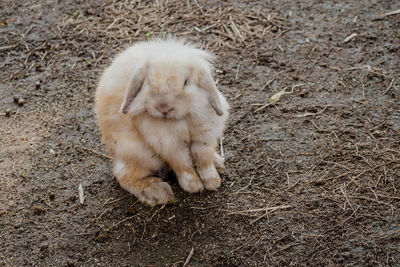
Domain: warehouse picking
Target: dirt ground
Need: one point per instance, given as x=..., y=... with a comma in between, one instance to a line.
x=312, y=179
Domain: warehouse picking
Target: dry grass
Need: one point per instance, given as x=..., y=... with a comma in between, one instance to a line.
x=312, y=177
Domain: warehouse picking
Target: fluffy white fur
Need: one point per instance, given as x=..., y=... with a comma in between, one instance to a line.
x=154, y=104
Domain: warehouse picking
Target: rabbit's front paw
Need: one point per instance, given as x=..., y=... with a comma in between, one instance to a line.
x=210, y=177
x=190, y=182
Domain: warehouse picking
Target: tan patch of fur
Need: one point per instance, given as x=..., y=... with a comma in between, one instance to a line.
x=204, y=160
x=172, y=81
x=132, y=178
x=109, y=118
x=203, y=155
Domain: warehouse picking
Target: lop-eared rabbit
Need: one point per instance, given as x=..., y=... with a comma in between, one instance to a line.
x=158, y=107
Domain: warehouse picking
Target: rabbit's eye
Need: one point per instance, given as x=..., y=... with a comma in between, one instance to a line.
x=186, y=82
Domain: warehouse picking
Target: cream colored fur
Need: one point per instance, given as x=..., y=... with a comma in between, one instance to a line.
x=174, y=115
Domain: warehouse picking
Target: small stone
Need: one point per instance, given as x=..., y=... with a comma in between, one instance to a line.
x=303, y=93
x=38, y=84
x=19, y=100
x=9, y=112
x=38, y=210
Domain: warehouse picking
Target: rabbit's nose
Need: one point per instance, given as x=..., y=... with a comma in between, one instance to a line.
x=163, y=108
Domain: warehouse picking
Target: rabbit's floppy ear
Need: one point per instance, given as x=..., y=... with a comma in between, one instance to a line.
x=133, y=88
x=207, y=83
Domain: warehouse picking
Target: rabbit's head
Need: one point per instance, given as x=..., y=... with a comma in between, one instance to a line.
x=169, y=87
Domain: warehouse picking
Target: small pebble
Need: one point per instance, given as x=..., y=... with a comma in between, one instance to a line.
x=303, y=93
x=38, y=210
x=19, y=100
x=37, y=84
x=44, y=247
x=9, y=112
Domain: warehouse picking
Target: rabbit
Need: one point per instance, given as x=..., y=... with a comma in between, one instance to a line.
x=158, y=107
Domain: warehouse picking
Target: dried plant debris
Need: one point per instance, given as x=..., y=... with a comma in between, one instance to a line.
x=310, y=179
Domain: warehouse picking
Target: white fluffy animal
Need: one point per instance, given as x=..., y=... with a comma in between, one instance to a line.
x=157, y=106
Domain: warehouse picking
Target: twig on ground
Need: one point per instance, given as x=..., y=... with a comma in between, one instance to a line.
x=261, y=209
x=188, y=257
x=260, y=217
x=390, y=197
x=237, y=72
x=236, y=249
x=7, y=47
x=281, y=33
x=162, y=207
x=118, y=223
x=351, y=215
x=319, y=129
x=81, y=195
x=91, y=150
x=395, y=12
x=275, y=98
x=310, y=113
x=372, y=200
x=102, y=213
x=144, y=231
x=390, y=86
x=348, y=38
x=285, y=247
x=251, y=180
x=110, y=201
x=368, y=67
x=362, y=84
x=268, y=83
x=347, y=199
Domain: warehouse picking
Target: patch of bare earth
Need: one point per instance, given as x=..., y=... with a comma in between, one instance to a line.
x=311, y=179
